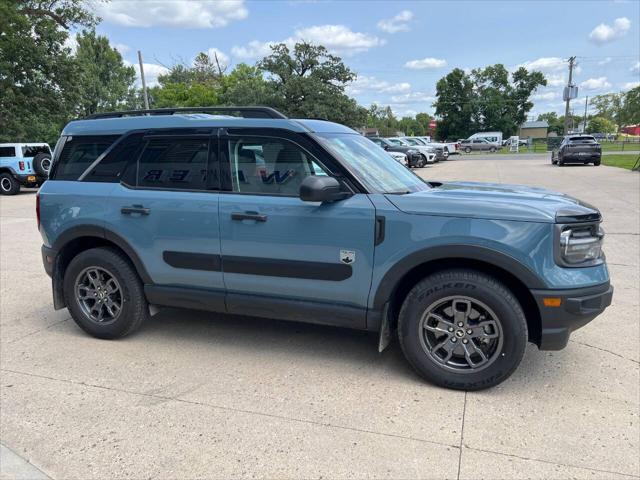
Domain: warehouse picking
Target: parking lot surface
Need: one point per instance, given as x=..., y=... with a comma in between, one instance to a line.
x=198, y=395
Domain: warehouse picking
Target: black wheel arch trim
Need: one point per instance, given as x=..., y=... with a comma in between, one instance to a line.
x=394, y=275
x=79, y=231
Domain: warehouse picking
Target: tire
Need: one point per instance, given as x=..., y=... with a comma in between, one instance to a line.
x=422, y=162
x=8, y=184
x=504, y=335
x=596, y=163
x=445, y=153
x=105, y=261
x=42, y=164
x=467, y=150
x=492, y=150
x=553, y=159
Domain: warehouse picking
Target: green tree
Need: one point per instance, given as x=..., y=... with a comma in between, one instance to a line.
x=600, y=125
x=307, y=81
x=608, y=106
x=556, y=124
x=104, y=82
x=455, y=105
x=196, y=85
x=38, y=74
x=183, y=95
x=245, y=85
x=630, y=110
x=486, y=99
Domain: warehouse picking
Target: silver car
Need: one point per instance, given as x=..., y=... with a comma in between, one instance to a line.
x=477, y=144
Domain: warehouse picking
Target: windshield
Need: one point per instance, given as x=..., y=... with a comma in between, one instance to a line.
x=374, y=167
x=412, y=141
x=395, y=141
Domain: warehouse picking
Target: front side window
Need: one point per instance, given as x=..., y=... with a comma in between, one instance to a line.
x=374, y=167
x=269, y=166
x=174, y=163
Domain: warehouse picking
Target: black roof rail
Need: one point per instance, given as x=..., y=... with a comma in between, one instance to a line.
x=245, y=112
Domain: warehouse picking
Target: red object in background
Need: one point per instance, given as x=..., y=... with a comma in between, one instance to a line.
x=432, y=125
x=631, y=130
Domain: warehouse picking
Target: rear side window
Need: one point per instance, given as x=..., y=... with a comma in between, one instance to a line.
x=174, y=163
x=7, y=152
x=119, y=164
x=78, y=153
x=33, y=151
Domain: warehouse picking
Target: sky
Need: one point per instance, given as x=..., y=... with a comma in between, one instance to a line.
x=398, y=49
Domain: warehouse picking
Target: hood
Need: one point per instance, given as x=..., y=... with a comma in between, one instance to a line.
x=496, y=201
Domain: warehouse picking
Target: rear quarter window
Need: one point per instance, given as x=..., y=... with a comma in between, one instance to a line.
x=78, y=153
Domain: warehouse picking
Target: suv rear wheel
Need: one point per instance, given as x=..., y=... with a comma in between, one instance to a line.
x=8, y=184
x=462, y=329
x=104, y=294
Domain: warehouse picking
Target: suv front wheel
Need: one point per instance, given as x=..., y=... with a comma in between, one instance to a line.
x=104, y=293
x=462, y=329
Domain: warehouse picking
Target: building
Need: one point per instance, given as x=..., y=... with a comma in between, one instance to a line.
x=631, y=129
x=534, y=130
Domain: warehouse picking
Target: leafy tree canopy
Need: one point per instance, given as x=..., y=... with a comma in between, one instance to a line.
x=487, y=99
x=38, y=75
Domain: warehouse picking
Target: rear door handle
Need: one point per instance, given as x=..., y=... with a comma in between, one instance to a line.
x=248, y=216
x=134, y=209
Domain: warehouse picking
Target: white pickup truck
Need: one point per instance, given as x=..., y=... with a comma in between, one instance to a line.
x=449, y=148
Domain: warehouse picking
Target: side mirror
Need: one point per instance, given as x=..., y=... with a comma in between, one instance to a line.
x=386, y=147
x=321, y=188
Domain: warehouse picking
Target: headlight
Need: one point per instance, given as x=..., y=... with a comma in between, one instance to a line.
x=580, y=246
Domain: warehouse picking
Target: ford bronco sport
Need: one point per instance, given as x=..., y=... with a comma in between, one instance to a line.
x=307, y=220
x=24, y=164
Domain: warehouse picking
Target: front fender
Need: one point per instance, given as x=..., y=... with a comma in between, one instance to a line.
x=392, y=277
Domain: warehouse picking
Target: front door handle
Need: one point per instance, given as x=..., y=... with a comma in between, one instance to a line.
x=248, y=216
x=134, y=209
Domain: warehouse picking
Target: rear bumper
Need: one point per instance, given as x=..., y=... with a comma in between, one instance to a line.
x=48, y=259
x=577, y=308
x=575, y=157
x=29, y=179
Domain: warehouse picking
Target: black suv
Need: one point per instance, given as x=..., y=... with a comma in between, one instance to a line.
x=577, y=149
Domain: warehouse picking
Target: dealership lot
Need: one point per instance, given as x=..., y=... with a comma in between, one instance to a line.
x=200, y=395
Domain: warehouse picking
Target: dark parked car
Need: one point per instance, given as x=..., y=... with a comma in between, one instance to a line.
x=477, y=144
x=577, y=149
x=414, y=157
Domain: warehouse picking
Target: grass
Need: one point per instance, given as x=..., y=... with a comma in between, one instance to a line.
x=621, y=161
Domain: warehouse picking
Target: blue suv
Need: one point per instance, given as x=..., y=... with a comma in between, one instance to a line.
x=23, y=164
x=241, y=210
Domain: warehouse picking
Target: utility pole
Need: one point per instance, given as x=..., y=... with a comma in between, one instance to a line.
x=584, y=123
x=144, y=84
x=572, y=61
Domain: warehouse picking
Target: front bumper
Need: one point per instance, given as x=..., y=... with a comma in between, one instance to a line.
x=577, y=308
x=414, y=159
